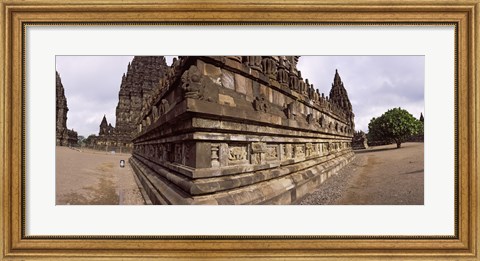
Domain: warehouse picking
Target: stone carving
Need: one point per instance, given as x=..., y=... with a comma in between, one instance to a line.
x=261, y=104
x=258, y=152
x=290, y=111
x=235, y=58
x=269, y=66
x=164, y=106
x=225, y=160
x=322, y=121
x=155, y=113
x=298, y=151
x=237, y=153
x=215, y=158
x=158, y=152
x=272, y=152
x=254, y=62
x=192, y=83
x=256, y=158
x=310, y=119
x=259, y=147
x=282, y=73
x=309, y=149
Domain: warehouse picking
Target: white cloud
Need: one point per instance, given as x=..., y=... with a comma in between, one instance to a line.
x=374, y=85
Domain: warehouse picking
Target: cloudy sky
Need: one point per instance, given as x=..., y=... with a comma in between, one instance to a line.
x=374, y=85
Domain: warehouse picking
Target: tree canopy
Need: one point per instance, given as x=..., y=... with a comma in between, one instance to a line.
x=395, y=125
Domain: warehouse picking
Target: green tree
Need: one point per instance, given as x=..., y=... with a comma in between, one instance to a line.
x=395, y=125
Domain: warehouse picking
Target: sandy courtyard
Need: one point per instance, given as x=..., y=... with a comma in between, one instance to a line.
x=94, y=178
x=380, y=175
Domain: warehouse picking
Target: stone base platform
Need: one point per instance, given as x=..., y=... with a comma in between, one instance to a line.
x=283, y=183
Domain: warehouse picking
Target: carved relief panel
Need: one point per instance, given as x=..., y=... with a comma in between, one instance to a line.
x=178, y=153
x=258, y=152
x=272, y=152
x=237, y=154
x=299, y=151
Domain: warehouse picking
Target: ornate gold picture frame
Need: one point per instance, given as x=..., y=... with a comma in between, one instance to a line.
x=16, y=15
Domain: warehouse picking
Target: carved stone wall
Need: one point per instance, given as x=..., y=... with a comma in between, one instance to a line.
x=64, y=136
x=240, y=130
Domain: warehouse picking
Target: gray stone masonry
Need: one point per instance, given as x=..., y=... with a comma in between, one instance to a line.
x=239, y=130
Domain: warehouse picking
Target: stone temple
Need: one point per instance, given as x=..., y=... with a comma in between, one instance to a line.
x=143, y=75
x=237, y=130
x=64, y=136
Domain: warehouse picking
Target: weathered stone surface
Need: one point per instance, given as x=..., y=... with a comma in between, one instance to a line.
x=240, y=133
x=64, y=136
x=228, y=80
x=226, y=100
x=145, y=78
x=359, y=141
x=241, y=84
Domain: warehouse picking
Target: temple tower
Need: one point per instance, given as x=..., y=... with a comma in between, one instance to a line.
x=61, y=111
x=64, y=136
x=143, y=75
x=339, y=97
x=103, y=126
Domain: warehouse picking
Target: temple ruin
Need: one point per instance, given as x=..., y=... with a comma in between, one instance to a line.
x=64, y=136
x=143, y=76
x=235, y=130
x=359, y=140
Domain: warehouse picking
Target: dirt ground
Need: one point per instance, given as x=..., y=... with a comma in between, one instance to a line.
x=86, y=177
x=380, y=175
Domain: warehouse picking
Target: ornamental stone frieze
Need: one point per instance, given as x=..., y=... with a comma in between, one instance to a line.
x=238, y=130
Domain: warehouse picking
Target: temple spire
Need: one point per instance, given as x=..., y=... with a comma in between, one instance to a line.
x=337, y=80
x=338, y=95
x=104, y=121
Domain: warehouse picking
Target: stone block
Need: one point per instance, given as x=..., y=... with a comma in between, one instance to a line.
x=203, y=152
x=226, y=100
x=214, y=73
x=212, y=70
x=227, y=79
x=269, y=94
x=264, y=90
x=223, y=154
x=242, y=84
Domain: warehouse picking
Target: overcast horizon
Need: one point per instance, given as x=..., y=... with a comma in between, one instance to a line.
x=374, y=84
